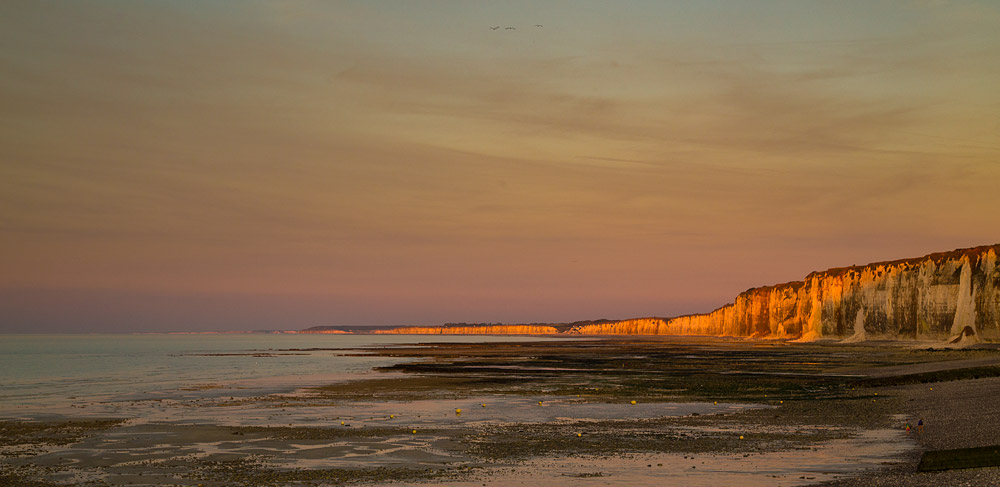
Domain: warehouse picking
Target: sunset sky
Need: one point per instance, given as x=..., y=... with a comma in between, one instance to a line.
x=280, y=165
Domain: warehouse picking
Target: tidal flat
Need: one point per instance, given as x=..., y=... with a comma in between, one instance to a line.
x=614, y=411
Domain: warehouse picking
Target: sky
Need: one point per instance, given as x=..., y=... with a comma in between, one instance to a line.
x=181, y=166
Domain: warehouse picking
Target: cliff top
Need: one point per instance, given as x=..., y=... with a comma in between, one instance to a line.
x=972, y=252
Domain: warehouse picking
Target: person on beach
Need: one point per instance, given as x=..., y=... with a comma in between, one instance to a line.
x=920, y=426
x=907, y=427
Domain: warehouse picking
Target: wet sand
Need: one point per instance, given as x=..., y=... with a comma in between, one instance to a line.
x=956, y=414
x=706, y=412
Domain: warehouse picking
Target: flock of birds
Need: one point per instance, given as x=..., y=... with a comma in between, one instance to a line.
x=509, y=28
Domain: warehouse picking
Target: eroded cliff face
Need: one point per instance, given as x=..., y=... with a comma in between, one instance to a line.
x=928, y=298
x=472, y=330
x=638, y=326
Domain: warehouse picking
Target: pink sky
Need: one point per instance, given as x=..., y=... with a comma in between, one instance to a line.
x=282, y=165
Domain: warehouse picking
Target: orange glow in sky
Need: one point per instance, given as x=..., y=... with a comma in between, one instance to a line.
x=252, y=165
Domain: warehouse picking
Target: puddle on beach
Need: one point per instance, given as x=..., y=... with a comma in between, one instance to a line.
x=479, y=410
x=823, y=462
x=429, y=412
x=166, y=434
x=163, y=429
x=191, y=426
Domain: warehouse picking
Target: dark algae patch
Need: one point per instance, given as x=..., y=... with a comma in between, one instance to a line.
x=24, y=439
x=986, y=456
x=23, y=478
x=683, y=370
x=249, y=474
x=328, y=433
x=411, y=388
x=20, y=438
x=787, y=426
x=937, y=376
x=522, y=441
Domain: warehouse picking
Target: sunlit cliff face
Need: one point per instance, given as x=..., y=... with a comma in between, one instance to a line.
x=472, y=330
x=929, y=298
x=638, y=326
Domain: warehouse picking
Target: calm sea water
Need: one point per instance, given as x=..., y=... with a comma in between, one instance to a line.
x=56, y=371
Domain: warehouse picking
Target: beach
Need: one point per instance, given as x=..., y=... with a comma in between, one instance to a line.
x=607, y=411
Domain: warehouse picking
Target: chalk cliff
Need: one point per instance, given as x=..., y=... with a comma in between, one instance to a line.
x=636, y=326
x=471, y=330
x=928, y=298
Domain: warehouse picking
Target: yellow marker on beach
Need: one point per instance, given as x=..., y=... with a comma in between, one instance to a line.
x=414, y=431
x=716, y=403
x=741, y=437
x=341, y=423
x=932, y=388
x=392, y=416
x=633, y=401
x=578, y=435
x=539, y=403
x=458, y=411
x=484, y=404
x=781, y=402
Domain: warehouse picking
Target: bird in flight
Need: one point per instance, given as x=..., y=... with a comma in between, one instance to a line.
x=510, y=28
x=538, y=25
x=495, y=28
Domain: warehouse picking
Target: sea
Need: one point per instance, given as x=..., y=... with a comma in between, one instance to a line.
x=52, y=373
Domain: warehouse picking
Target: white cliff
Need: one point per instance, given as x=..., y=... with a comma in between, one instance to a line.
x=928, y=298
